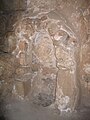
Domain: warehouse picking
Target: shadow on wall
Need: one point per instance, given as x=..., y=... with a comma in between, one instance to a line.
x=2, y=118
x=2, y=110
x=7, y=5
x=8, y=16
x=1, y=5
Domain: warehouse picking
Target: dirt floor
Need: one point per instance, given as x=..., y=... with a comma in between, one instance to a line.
x=17, y=110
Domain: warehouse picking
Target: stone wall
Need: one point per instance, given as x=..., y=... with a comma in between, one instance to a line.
x=45, y=48
x=13, y=5
x=85, y=59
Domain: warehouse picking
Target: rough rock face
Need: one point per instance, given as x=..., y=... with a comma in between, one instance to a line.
x=6, y=75
x=85, y=60
x=13, y=5
x=45, y=80
x=49, y=43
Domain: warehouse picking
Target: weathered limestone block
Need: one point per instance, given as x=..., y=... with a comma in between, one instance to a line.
x=23, y=52
x=6, y=88
x=7, y=69
x=65, y=58
x=44, y=86
x=6, y=66
x=44, y=62
x=67, y=93
x=85, y=52
x=86, y=68
x=24, y=28
x=85, y=72
x=21, y=89
x=44, y=49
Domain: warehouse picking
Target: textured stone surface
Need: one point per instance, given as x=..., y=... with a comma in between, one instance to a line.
x=13, y=5
x=7, y=69
x=44, y=50
x=49, y=43
x=43, y=87
x=21, y=89
x=67, y=91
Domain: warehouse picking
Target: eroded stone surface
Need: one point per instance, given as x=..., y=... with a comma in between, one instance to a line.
x=43, y=89
x=7, y=69
x=49, y=43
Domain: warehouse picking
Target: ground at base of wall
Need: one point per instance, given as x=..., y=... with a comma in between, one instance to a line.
x=17, y=110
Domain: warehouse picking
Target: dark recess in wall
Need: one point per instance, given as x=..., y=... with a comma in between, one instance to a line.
x=12, y=5
x=1, y=5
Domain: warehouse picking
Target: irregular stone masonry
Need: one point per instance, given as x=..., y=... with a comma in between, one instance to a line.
x=85, y=62
x=51, y=47
x=47, y=44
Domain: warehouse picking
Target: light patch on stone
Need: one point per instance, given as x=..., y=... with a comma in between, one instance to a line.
x=68, y=30
x=2, y=81
x=86, y=12
x=28, y=2
x=72, y=71
x=57, y=37
x=14, y=89
x=36, y=9
x=62, y=101
x=87, y=68
x=62, y=37
x=65, y=58
x=44, y=49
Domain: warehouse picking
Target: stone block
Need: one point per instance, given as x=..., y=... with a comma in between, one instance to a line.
x=44, y=49
x=22, y=89
x=19, y=89
x=6, y=87
x=67, y=93
x=24, y=28
x=43, y=89
x=6, y=66
x=65, y=58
